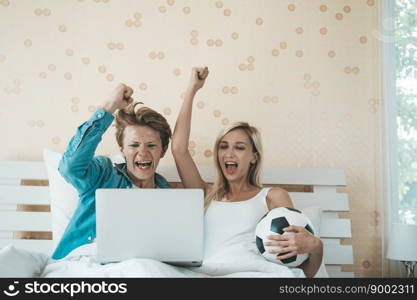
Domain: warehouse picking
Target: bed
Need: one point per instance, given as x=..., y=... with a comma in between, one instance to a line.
x=27, y=215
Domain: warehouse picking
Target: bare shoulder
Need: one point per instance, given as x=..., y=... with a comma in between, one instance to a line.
x=278, y=197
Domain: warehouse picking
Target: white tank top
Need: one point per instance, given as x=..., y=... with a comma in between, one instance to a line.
x=233, y=222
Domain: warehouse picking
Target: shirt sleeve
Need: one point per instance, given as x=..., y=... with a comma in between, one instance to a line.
x=78, y=165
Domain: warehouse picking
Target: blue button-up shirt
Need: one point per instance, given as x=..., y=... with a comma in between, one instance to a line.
x=87, y=173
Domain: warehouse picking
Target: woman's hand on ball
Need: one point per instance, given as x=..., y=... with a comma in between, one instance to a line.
x=302, y=241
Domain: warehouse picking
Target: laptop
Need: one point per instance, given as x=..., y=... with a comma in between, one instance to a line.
x=161, y=224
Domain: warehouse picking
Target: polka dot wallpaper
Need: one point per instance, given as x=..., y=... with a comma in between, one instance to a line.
x=305, y=72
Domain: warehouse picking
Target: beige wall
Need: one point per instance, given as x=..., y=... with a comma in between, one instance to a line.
x=305, y=72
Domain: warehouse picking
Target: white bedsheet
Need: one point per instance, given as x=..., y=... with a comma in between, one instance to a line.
x=236, y=260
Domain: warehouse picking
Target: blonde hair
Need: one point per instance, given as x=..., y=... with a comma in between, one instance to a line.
x=144, y=116
x=221, y=185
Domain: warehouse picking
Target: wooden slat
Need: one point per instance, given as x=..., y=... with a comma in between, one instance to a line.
x=329, y=189
x=42, y=246
x=6, y=235
x=327, y=202
x=25, y=221
x=8, y=181
x=32, y=235
x=337, y=254
x=331, y=241
x=8, y=207
x=23, y=170
x=335, y=228
x=329, y=215
x=36, y=195
x=35, y=182
x=307, y=176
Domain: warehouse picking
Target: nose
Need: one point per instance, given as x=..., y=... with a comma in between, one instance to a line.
x=141, y=150
x=229, y=153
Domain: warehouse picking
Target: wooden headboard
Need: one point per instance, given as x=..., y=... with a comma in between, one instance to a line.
x=25, y=220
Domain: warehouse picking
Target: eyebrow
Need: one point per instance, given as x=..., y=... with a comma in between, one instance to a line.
x=136, y=142
x=225, y=142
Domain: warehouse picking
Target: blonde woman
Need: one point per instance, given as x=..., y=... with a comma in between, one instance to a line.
x=237, y=201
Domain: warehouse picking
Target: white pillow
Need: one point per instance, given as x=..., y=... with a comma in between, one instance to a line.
x=64, y=197
x=314, y=214
x=21, y=263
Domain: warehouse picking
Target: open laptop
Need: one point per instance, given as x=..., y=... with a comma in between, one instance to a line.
x=161, y=224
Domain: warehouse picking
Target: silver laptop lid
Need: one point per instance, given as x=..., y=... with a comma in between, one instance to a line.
x=161, y=224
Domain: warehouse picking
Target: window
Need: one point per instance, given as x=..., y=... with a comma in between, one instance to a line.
x=406, y=106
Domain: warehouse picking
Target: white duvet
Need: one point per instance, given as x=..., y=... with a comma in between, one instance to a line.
x=236, y=260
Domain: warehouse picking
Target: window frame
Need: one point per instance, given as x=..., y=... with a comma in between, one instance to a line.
x=389, y=118
x=390, y=181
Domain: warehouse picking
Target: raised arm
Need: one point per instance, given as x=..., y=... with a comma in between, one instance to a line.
x=186, y=166
x=78, y=164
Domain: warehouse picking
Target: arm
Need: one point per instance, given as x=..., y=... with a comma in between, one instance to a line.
x=78, y=165
x=186, y=167
x=312, y=264
x=301, y=242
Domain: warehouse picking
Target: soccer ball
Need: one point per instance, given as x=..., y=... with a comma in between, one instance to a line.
x=274, y=222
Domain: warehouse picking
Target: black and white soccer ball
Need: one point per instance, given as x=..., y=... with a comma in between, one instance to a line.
x=274, y=222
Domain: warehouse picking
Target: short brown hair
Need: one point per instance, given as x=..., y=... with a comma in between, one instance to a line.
x=144, y=116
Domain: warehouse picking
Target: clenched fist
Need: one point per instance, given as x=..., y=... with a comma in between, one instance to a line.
x=198, y=78
x=119, y=99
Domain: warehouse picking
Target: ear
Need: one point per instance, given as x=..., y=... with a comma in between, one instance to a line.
x=255, y=158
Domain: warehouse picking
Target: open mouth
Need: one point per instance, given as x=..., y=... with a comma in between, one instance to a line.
x=143, y=164
x=231, y=167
